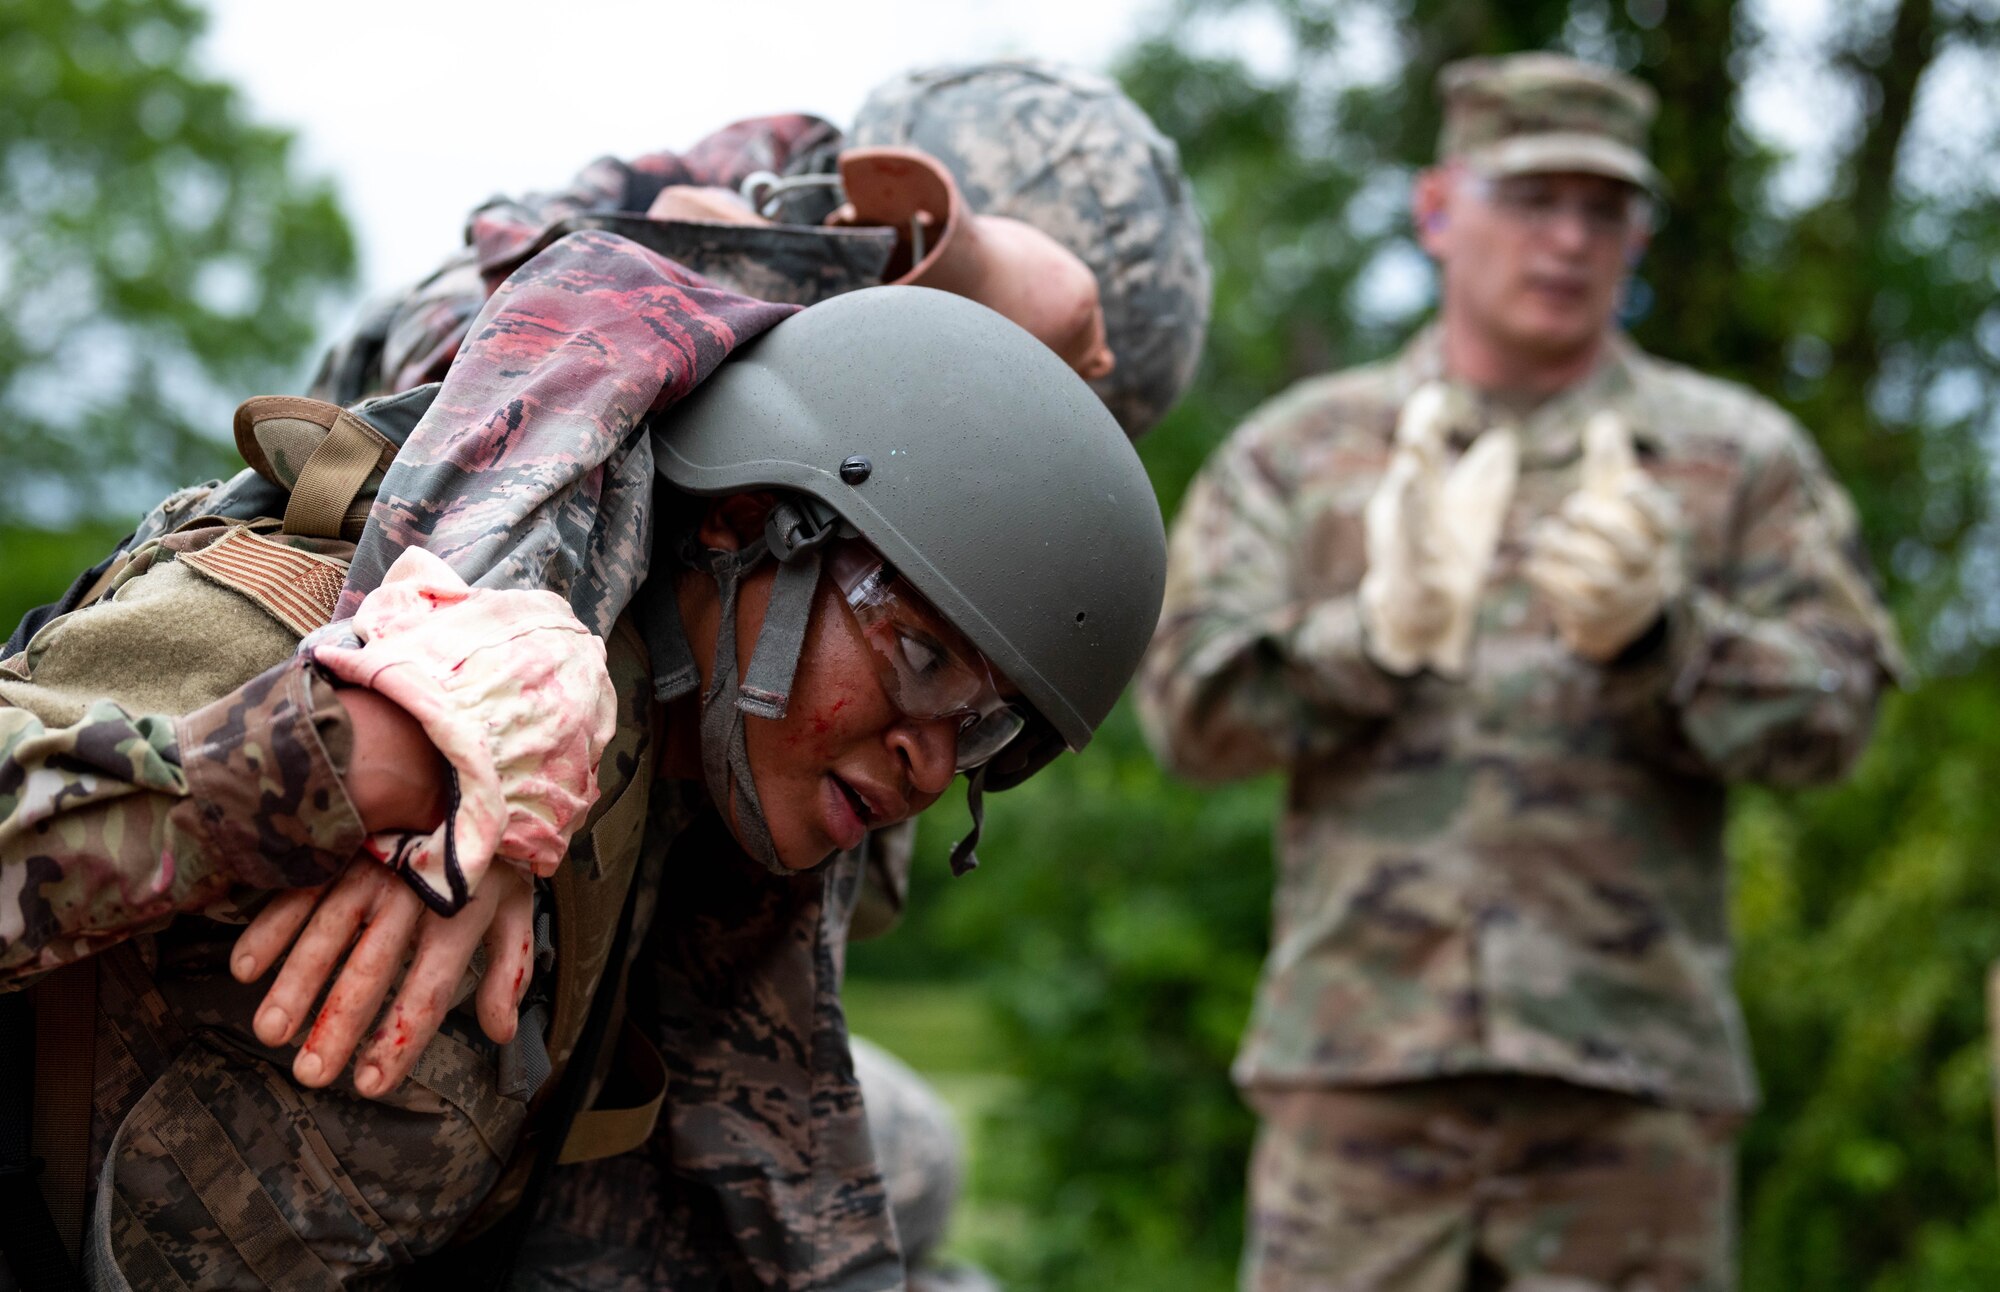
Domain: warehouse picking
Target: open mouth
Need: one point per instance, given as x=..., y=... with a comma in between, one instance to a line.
x=856, y=802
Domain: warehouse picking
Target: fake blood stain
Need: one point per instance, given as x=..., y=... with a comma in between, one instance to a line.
x=823, y=723
x=320, y=1025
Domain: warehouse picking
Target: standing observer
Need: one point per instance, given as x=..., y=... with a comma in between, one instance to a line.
x=1511, y=610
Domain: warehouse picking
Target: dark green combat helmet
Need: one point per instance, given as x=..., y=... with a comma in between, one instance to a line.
x=974, y=461
x=1069, y=153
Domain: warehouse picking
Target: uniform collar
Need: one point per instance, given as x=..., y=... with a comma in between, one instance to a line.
x=1552, y=430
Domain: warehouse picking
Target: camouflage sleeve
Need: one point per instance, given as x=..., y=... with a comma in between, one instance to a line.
x=1769, y=669
x=1244, y=676
x=112, y=824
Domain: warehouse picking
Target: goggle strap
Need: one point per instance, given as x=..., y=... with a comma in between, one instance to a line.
x=725, y=760
x=657, y=608
x=963, y=858
x=767, y=688
x=749, y=809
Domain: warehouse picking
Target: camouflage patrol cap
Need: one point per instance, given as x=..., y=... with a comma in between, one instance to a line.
x=1527, y=113
x=1069, y=153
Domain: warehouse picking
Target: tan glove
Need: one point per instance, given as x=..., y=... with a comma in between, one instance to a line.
x=1476, y=496
x=1607, y=563
x=1431, y=535
x=512, y=689
x=1405, y=607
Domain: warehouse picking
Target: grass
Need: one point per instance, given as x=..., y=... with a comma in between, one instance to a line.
x=943, y=1031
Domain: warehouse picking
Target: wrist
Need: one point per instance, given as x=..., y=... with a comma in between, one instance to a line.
x=396, y=777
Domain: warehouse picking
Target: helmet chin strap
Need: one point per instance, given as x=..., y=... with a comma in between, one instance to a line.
x=795, y=536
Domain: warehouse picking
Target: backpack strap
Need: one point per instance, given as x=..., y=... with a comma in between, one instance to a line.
x=332, y=477
x=326, y=489
x=600, y=1131
x=594, y=893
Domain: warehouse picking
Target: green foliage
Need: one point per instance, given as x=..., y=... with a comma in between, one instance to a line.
x=1120, y=918
x=160, y=257
x=40, y=564
x=1117, y=921
x=1866, y=923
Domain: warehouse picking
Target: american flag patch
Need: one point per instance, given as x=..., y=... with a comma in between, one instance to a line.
x=298, y=588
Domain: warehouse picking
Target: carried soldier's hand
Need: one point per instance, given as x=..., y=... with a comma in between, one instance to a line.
x=369, y=916
x=1606, y=563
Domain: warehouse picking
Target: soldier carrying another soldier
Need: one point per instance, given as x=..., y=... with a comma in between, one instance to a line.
x=1511, y=610
x=765, y=1116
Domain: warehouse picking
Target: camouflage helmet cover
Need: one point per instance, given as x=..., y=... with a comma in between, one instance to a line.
x=1069, y=153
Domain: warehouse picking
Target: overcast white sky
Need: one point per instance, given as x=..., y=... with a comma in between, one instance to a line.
x=420, y=109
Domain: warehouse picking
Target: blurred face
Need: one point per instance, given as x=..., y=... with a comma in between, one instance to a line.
x=845, y=759
x=1533, y=262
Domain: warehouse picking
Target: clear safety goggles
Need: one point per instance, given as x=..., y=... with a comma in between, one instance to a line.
x=1534, y=203
x=928, y=670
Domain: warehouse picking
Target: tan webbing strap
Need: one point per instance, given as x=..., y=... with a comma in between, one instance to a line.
x=588, y=906
x=607, y=1132
x=613, y=832
x=227, y=1186
x=332, y=477
x=65, y=1004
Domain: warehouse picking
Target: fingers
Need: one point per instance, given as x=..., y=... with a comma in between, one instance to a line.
x=444, y=950
x=265, y=938
x=1387, y=515
x=1608, y=455
x=1559, y=581
x=1584, y=551
x=335, y=921
x=1659, y=508
x=358, y=993
x=1616, y=523
x=1425, y=413
x=510, y=962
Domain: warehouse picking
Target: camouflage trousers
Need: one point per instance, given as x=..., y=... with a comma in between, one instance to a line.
x=1482, y=1183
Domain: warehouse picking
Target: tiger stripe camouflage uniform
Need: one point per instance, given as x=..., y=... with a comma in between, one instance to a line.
x=1518, y=879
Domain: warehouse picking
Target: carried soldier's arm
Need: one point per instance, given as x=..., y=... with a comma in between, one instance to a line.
x=1768, y=667
x=1244, y=676
x=113, y=823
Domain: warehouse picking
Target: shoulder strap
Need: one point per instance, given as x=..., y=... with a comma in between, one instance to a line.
x=326, y=490
x=332, y=478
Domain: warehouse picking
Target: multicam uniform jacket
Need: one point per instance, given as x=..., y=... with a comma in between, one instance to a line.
x=1522, y=872
x=111, y=824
